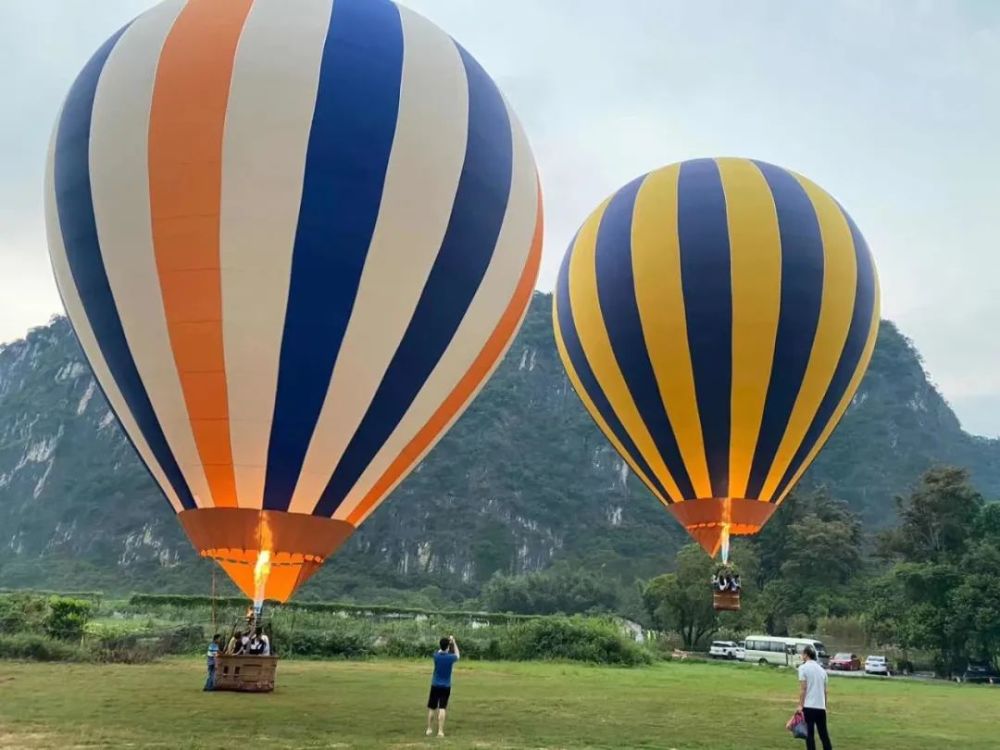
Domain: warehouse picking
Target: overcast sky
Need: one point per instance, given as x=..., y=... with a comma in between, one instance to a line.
x=892, y=106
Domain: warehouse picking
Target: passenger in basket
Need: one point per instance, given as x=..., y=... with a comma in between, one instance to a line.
x=262, y=637
x=236, y=644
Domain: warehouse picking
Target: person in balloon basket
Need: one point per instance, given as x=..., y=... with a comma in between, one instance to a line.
x=213, y=650
x=444, y=661
x=812, y=699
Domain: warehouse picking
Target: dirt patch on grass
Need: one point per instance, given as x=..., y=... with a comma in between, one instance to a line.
x=30, y=740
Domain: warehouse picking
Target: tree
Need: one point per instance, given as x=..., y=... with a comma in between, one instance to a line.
x=949, y=608
x=936, y=520
x=810, y=554
x=682, y=601
x=67, y=617
x=560, y=590
x=975, y=603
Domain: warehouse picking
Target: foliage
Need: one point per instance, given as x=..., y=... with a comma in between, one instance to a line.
x=20, y=612
x=38, y=647
x=682, y=601
x=574, y=638
x=562, y=590
x=145, y=629
x=181, y=603
x=935, y=520
x=943, y=593
x=67, y=617
x=810, y=559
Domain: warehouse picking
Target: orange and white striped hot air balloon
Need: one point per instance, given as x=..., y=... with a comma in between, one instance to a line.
x=294, y=240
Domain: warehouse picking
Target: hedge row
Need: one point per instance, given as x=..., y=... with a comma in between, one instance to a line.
x=596, y=641
x=362, y=610
x=93, y=596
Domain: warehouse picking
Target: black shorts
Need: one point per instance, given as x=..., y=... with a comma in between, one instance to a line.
x=438, y=697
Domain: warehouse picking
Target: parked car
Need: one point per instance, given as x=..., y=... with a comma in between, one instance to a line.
x=740, y=652
x=877, y=665
x=845, y=662
x=723, y=650
x=982, y=673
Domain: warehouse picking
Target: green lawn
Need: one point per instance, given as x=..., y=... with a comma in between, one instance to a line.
x=379, y=704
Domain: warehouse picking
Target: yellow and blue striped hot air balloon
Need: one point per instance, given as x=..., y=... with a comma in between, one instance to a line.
x=715, y=317
x=294, y=240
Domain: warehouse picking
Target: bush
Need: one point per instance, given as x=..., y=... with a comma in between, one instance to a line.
x=21, y=612
x=576, y=638
x=126, y=649
x=67, y=618
x=39, y=648
x=183, y=639
x=329, y=644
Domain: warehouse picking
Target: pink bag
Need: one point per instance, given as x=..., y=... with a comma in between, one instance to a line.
x=797, y=726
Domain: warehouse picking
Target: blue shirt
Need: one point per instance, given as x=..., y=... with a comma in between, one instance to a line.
x=443, y=663
x=213, y=649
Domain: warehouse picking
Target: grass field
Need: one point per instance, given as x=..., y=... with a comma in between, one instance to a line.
x=379, y=704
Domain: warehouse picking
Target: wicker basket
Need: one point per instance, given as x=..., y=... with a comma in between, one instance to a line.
x=248, y=674
x=727, y=601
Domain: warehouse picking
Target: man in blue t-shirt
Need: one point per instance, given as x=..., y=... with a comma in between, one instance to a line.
x=213, y=651
x=444, y=661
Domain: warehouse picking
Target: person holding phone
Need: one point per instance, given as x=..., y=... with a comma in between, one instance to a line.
x=444, y=660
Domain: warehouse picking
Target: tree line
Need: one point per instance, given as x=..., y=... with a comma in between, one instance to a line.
x=928, y=587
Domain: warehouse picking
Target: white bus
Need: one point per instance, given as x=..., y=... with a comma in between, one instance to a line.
x=772, y=649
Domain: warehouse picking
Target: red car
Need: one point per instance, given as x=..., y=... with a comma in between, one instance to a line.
x=846, y=662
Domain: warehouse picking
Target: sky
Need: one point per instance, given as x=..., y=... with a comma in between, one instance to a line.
x=893, y=106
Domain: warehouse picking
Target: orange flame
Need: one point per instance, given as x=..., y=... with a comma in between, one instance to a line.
x=260, y=573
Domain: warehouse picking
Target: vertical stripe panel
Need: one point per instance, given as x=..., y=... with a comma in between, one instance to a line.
x=354, y=122
x=660, y=299
x=84, y=282
x=466, y=250
x=590, y=327
x=187, y=122
x=851, y=367
x=271, y=102
x=836, y=308
x=420, y=186
x=586, y=385
x=465, y=390
x=705, y=275
x=120, y=186
x=801, y=294
x=476, y=347
x=88, y=342
x=756, y=280
x=617, y=299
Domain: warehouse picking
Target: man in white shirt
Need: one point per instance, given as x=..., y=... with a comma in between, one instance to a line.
x=812, y=698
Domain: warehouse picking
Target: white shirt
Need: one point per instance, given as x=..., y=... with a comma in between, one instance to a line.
x=814, y=676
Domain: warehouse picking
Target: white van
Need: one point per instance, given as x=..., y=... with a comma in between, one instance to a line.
x=772, y=649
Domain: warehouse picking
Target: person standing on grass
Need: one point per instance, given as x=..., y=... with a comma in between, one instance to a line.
x=444, y=661
x=213, y=651
x=812, y=699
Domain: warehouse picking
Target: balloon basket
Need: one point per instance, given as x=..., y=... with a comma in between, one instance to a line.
x=245, y=674
x=726, y=601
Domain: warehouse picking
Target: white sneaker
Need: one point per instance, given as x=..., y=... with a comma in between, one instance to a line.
x=429, y=732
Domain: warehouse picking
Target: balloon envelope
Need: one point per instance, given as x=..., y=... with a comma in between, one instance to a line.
x=715, y=317
x=294, y=240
